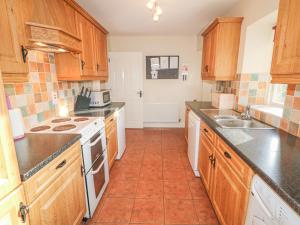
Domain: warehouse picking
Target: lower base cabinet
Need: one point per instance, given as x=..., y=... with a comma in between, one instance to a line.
x=229, y=195
x=10, y=206
x=63, y=202
x=226, y=178
x=112, y=140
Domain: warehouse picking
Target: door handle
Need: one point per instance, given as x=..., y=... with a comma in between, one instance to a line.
x=140, y=93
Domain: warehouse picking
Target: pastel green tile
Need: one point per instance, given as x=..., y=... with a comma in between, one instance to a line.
x=28, y=88
x=51, y=105
x=252, y=92
x=41, y=116
x=24, y=111
x=254, y=77
x=286, y=113
x=9, y=89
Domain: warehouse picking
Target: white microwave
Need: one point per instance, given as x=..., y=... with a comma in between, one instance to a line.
x=100, y=98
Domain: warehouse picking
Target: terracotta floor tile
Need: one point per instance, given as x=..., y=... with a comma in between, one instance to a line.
x=123, y=188
x=197, y=189
x=116, y=210
x=151, y=173
x=180, y=212
x=174, y=189
x=174, y=174
x=205, y=212
x=148, y=211
x=150, y=189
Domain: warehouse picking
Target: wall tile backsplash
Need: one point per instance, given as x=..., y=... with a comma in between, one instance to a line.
x=35, y=97
x=253, y=89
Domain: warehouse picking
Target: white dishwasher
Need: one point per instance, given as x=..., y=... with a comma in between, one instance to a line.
x=265, y=207
x=120, y=114
x=193, y=141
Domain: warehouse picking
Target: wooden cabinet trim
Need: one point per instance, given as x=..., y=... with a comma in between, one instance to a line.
x=219, y=20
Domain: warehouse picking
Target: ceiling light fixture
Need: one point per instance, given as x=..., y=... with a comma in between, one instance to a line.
x=156, y=9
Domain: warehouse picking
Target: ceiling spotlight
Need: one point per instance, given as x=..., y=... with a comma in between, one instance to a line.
x=155, y=17
x=158, y=10
x=150, y=4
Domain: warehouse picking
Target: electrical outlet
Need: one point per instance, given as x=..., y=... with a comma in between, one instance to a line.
x=54, y=98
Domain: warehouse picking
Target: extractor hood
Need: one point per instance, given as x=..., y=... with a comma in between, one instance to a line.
x=51, y=39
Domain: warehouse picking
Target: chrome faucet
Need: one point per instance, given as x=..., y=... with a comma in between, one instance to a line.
x=246, y=114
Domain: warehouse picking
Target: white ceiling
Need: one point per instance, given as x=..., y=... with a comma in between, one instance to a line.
x=132, y=17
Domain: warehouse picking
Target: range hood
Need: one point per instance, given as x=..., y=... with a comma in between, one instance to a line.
x=51, y=39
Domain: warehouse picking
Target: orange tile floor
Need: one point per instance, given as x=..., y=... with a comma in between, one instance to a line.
x=153, y=183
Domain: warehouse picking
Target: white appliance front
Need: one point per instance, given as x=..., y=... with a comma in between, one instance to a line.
x=265, y=207
x=193, y=141
x=96, y=170
x=121, y=132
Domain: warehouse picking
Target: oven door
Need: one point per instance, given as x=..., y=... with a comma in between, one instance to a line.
x=96, y=182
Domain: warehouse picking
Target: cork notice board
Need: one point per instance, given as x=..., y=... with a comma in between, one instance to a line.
x=162, y=67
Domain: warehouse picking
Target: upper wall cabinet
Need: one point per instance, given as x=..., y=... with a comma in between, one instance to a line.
x=221, y=42
x=92, y=63
x=286, y=53
x=12, y=63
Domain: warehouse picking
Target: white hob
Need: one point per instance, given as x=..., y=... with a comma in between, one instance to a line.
x=86, y=126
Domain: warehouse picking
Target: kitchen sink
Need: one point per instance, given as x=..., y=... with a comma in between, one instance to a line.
x=239, y=123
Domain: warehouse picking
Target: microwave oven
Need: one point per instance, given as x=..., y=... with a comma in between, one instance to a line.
x=100, y=98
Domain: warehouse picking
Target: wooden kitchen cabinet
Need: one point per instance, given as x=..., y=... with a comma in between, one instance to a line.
x=12, y=63
x=101, y=54
x=221, y=42
x=10, y=206
x=186, y=122
x=286, y=52
x=206, y=153
x=226, y=177
x=112, y=139
x=63, y=202
x=9, y=170
x=86, y=32
x=229, y=195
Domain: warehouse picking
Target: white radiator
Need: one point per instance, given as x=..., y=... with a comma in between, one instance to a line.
x=161, y=112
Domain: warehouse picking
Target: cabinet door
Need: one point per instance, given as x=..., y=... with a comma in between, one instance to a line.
x=286, y=54
x=9, y=208
x=112, y=145
x=9, y=170
x=101, y=53
x=229, y=195
x=209, y=49
x=64, y=200
x=206, y=151
x=11, y=60
x=86, y=32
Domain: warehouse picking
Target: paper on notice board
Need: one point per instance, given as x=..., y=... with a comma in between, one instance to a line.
x=164, y=62
x=173, y=62
x=154, y=63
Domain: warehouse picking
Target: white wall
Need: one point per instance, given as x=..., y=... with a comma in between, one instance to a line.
x=252, y=11
x=168, y=91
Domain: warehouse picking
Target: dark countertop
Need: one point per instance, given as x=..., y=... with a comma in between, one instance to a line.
x=272, y=154
x=35, y=151
x=100, y=112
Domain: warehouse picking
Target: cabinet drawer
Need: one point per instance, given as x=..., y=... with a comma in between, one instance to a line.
x=242, y=170
x=208, y=132
x=35, y=185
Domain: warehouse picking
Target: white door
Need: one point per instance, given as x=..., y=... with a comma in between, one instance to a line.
x=126, y=82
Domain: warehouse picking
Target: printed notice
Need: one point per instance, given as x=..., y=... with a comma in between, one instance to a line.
x=164, y=62
x=173, y=62
x=154, y=63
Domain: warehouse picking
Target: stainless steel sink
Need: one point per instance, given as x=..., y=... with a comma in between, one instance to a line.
x=239, y=123
x=225, y=117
